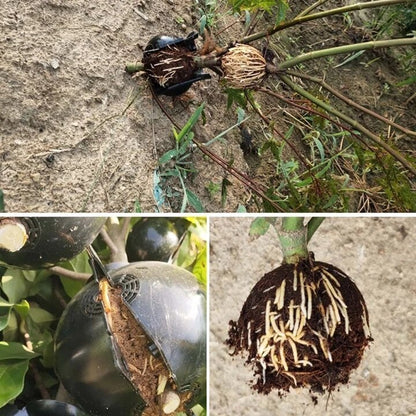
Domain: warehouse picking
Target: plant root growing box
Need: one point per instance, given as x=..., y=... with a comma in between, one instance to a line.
x=51, y=240
x=169, y=307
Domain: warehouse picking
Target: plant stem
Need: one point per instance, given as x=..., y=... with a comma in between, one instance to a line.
x=293, y=239
x=397, y=155
x=346, y=49
x=259, y=189
x=69, y=273
x=311, y=8
x=206, y=61
x=115, y=237
x=339, y=10
x=131, y=68
x=352, y=103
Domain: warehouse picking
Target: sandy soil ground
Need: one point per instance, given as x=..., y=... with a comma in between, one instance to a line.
x=378, y=253
x=77, y=132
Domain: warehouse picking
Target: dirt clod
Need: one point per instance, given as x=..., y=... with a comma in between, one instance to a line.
x=302, y=325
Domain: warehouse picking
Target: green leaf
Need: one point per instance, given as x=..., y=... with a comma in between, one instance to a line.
x=41, y=317
x=185, y=143
x=194, y=201
x=259, y=226
x=6, y=308
x=224, y=184
x=168, y=156
x=136, y=207
x=320, y=147
x=15, y=286
x=2, y=201
x=12, y=377
x=4, y=319
x=22, y=308
x=71, y=286
x=241, y=115
x=78, y=264
x=202, y=23
x=11, y=331
x=200, y=267
x=15, y=351
x=252, y=5
x=190, y=123
x=407, y=81
x=282, y=8
x=236, y=96
x=241, y=208
x=157, y=190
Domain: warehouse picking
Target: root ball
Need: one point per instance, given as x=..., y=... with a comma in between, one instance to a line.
x=243, y=67
x=303, y=324
x=170, y=65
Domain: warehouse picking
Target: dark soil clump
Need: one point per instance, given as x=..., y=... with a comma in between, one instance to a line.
x=302, y=325
x=170, y=65
x=145, y=370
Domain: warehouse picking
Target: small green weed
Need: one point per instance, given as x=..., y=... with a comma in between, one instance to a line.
x=177, y=164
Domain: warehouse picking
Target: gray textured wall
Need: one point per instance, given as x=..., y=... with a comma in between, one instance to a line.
x=379, y=255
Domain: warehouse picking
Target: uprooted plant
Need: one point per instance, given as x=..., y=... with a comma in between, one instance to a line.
x=305, y=323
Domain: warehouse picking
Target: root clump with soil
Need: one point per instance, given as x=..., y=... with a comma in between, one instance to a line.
x=170, y=65
x=302, y=325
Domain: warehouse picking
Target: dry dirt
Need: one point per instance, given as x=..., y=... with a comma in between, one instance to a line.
x=68, y=141
x=378, y=254
x=79, y=134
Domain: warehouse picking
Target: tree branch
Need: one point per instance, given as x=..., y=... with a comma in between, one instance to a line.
x=352, y=103
x=69, y=273
x=397, y=155
x=305, y=18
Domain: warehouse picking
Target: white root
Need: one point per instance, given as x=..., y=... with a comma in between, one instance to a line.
x=162, y=381
x=295, y=279
x=169, y=401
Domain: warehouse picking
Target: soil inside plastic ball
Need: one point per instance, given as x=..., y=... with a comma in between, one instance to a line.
x=170, y=65
x=302, y=325
x=148, y=373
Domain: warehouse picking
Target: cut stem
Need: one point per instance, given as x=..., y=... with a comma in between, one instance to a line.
x=13, y=234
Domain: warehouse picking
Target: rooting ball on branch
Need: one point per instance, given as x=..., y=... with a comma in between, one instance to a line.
x=170, y=64
x=243, y=67
x=303, y=324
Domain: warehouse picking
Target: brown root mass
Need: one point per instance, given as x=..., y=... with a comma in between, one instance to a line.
x=302, y=325
x=170, y=65
x=243, y=67
x=145, y=370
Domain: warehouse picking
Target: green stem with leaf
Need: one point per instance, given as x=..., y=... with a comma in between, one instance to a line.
x=294, y=236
